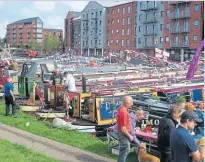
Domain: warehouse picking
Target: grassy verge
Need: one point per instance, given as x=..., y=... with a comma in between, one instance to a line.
x=13, y=153
x=73, y=138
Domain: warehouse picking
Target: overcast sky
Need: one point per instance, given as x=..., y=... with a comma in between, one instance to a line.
x=52, y=13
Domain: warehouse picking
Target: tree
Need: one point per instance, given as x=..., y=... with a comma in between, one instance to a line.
x=33, y=45
x=51, y=44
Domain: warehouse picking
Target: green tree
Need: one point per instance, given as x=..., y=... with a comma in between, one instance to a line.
x=33, y=45
x=51, y=44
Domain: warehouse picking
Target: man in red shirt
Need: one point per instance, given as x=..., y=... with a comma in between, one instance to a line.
x=124, y=128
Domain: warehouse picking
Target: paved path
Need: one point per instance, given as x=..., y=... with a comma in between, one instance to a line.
x=49, y=147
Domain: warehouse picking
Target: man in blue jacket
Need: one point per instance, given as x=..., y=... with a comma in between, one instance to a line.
x=9, y=97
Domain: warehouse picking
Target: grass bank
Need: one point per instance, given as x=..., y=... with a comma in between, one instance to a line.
x=17, y=153
x=44, y=129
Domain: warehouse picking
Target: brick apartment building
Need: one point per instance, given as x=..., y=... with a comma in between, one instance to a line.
x=69, y=30
x=120, y=27
x=183, y=28
x=22, y=31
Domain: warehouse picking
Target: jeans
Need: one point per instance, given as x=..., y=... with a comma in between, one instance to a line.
x=9, y=101
x=165, y=157
x=124, y=144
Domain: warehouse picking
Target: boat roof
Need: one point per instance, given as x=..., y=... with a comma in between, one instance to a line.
x=178, y=87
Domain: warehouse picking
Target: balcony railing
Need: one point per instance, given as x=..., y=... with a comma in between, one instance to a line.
x=180, y=15
x=185, y=43
x=150, y=34
x=85, y=28
x=154, y=20
x=149, y=46
x=85, y=19
x=175, y=44
x=182, y=29
x=177, y=2
x=94, y=17
x=147, y=8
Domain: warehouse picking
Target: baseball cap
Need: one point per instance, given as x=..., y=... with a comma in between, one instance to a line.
x=190, y=115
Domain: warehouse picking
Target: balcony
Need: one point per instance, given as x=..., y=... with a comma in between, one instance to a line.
x=185, y=43
x=85, y=19
x=154, y=20
x=94, y=17
x=85, y=28
x=94, y=26
x=148, y=8
x=182, y=29
x=180, y=15
x=177, y=2
x=149, y=46
x=175, y=44
x=150, y=34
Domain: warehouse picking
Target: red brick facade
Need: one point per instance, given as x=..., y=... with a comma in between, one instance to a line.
x=191, y=30
x=120, y=33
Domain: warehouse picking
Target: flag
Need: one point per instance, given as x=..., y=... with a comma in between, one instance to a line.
x=160, y=53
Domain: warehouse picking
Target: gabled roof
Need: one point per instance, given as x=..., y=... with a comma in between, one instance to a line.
x=28, y=20
x=73, y=14
x=53, y=30
x=93, y=3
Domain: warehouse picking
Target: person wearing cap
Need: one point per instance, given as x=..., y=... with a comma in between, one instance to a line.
x=57, y=77
x=166, y=126
x=183, y=145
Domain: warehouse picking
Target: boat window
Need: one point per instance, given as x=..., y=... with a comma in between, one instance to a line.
x=25, y=69
x=187, y=95
x=162, y=96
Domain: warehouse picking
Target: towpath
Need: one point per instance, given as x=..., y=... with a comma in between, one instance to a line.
x=59, y=151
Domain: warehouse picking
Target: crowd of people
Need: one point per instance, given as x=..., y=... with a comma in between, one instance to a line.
x=175, y=142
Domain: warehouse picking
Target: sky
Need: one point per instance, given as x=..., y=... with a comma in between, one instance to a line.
x=52, y=13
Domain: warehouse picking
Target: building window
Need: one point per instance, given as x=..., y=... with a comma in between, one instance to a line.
x=108, y=11
x=91, y=42
x=128, y=20
x=155, y=15
x=168, y=12
x=196, y=8
x=113, y=11
x=100, y=13
x=118, y=21
x=196, y=23
x=122, y=43
x=117, y=31
x=140, y=16
x=108, y=43
x=118, y=10
x=162, y=13
x=112, y=21
x=128, y=31
x=140, y=29
x=161, y=26
x=111, y=41
x=166, y=39
x=195, y=38
x=128, y=9
x=167, y=26
x=161, y=39
x=128, y=43
x=108, y=22
x=147, y=16
x=139, y=40
x=112, y=31
x=123, y=32
x=123, y=21
x=117, y=41
x=123, y=10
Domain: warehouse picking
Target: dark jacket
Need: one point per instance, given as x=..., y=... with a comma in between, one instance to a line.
x=166, y=126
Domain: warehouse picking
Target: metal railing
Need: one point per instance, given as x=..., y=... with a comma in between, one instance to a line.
x=182, y=29
x=177, y=2
x=180, y=15
x=154, y=20
x=147, y=8
x=150, y=34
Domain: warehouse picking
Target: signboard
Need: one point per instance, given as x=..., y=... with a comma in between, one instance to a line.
x=108, y=108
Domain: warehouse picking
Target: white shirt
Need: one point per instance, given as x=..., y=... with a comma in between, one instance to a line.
x=70, y=83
